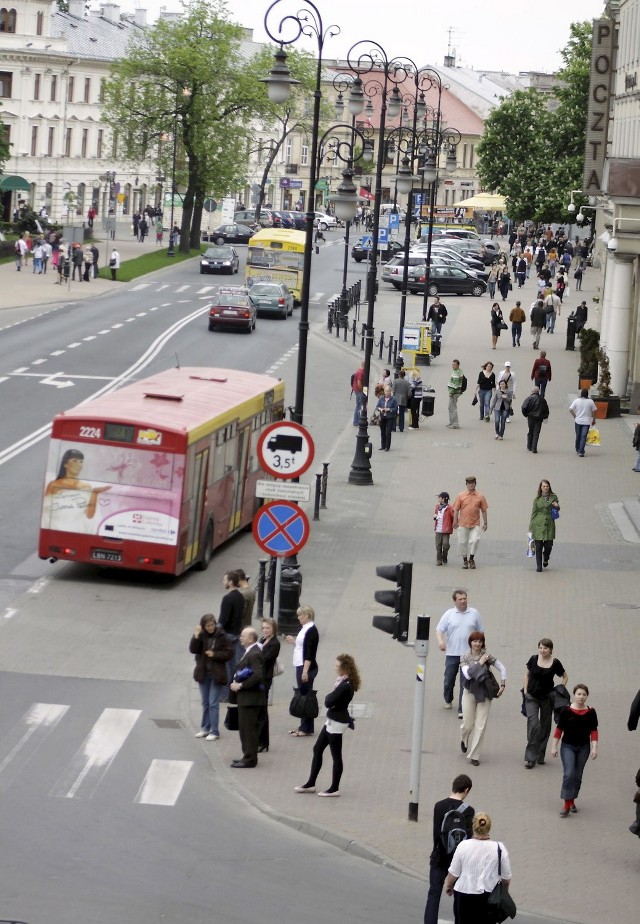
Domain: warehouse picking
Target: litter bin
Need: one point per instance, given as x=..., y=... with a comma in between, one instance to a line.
x=428, y=403
x=571, y=332
x=436, y=345
x=290, y=588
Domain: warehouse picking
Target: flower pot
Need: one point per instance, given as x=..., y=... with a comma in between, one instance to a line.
x=607, y=407
x=585, y=383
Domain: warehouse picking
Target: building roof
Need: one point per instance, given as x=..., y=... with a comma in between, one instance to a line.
x=95, y=37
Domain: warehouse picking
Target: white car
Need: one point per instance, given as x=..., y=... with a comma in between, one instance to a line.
x=323, y=221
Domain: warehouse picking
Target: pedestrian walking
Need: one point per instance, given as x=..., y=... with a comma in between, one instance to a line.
x=135, y=220
x=47, y=252
x=517, y=317
x=537, y=689
x=212, y=649
x=443, y=527
x=453, y=631
x=456, y=386
x=542, y=523
x=95, y=255
x=521, y=270
x=304, y=661
x=232, y=616
x=337, y=721
x=583, y=411
x=468, y=507
x=270, y=650
x=248, y=685
x=485, y=387
x=632, y=724
x=538, y=318
x=114, y=263
x=551, y=310
x=497, y=322
x=504, y=283
x=478, y=692
x=578, y=274
x=447, y=835
x=387, y=410
x=577, y=729
x=581, y=315
x=492, y=280
x=636, y=444
x=143, y=229
x=476, y=868
x=357, y=389
x=501, y=407
x=87, y=259
x=541, y=372
x=437, y=315
x=402, y=393
x=416, y=398
x=536, y=410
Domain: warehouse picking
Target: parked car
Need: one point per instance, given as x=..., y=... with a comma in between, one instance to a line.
x=360, y=252
x=220, y=259
x=248, y=216
x=299, y=219
x=323, y=221
x=448, y=279
x=272, y=298
x=233, y=307
x=233, y=233
x=395, y=268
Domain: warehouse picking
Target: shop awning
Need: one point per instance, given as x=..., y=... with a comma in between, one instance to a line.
x=484, y=201
x=12, y=183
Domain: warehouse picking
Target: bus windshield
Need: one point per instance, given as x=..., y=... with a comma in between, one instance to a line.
x=275, y=259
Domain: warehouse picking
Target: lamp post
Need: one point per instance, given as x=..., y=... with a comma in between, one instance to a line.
x=171, y=251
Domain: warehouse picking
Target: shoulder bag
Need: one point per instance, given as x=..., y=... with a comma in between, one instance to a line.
x=278, y=669
x=304, y=705
x=500, y=905
x=490, y=684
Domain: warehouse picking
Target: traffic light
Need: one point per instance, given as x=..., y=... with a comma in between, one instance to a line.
x=400, y=599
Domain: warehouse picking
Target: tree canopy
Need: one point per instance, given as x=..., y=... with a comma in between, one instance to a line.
x=533, y=154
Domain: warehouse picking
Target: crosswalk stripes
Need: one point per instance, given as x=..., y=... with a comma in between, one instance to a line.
x=162, y=783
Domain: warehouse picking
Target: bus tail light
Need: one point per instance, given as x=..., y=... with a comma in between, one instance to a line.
x=58, y=550
x=151, y=561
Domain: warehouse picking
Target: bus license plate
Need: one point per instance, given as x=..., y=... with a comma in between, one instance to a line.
x=105, y=555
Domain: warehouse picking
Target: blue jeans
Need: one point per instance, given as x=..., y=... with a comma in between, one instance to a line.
x=484, y=400
x=581, y=437
x=357, y=411
x=574, y=757
x=451, y=670
x=516, y=332
x=306, y=725
x=500, y=418
x=210, y=694
x=542, y=385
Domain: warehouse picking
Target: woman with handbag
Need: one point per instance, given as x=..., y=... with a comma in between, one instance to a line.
x=485, y=387
x=578, y=728
x=270, y=651
x=479, y=687
x=538, y=700
x=501, y=407
x=497, y=321
x=212, y=647
x=337, y=722
x=542, y=525
x=478, y=867
x=304, y=662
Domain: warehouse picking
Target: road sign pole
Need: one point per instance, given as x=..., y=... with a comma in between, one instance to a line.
x=421, y=646
x=276, y=593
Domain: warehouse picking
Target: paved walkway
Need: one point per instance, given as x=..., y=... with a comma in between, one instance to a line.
x=587, y=602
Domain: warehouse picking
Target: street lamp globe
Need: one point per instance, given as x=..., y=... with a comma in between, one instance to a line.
x=279, y=81
x=368, y=151
x=394, y=103
x=452, y=160
x=339, y=107
x=430, y=169
x=421, y=108
x=405, y=180
x=356, y=97
x=345, y=199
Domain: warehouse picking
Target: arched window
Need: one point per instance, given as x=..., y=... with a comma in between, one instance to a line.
x=7, y=20
x=48, y=195
x=39, y=23
x=80, y=200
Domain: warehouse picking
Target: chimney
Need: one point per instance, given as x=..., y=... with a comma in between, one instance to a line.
x=140, y=18
x=449, y=60
x=110, y=11
x=77, y=8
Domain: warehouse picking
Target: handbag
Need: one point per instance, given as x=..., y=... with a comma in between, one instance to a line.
x=555, y=513
x=475, y=401
x=375, y=420
x=231, y=718
x=304, y=705
x=200, y=672
x=500, y=905
x=503, y=325
x=278, y=669
x=491, y=685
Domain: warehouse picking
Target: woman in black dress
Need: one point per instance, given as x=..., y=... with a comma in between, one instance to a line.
x=338, y=720
x=538, y=700
x=496, y=323
x=270, y=652
x=504, y=283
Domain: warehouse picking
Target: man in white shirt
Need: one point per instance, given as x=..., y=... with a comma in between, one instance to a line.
x=453, y=632
x=552, y=305
x=510, y=378
x=583, y=411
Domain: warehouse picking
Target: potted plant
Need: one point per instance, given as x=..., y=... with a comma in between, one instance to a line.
x=588, y=368
x=607, y=404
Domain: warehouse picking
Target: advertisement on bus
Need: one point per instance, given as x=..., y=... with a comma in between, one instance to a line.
x=113, y=491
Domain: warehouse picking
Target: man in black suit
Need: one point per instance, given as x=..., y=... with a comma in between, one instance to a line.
x=249, y=688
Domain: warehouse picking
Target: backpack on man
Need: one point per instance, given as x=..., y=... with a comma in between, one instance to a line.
x=453, y=829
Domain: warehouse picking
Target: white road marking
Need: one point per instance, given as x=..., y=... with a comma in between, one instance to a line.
x=182, y=288
x=166, y=305
x=38, y=586
x=10, y=612
x=96, y=753
x=38, y=362
x=204, y=289
x=25, y=738
x=107, y=330
x=154, y=309
x=164, y=782
x=72, y=346
x=4, y=378
x=57, y=353
x=160, y=288
x=91, y=337
x=184, y=301
x=116, y=326
x=18, y=371
x=141, y=314
x=141, y=285
x=129, y=320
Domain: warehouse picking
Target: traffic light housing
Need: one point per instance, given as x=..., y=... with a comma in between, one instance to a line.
x=399, y=599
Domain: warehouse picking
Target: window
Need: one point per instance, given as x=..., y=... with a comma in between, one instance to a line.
x=50, y=141
x=304, y=155
x=71, y=82
x=99, y=144
x=54, y=88
x=471, y=154
x=85, y=141
x=5, y=134
x=464, y=155
x=67, y=142
x=102, y=86
x=114, y=145
x=287, y=152
x=39, y=23
x=36, y=86
x=7, y=20
x=6, y=79
x=87, y=89
x=34, y=140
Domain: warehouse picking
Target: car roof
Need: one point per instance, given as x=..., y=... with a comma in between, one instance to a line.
x=233, y=290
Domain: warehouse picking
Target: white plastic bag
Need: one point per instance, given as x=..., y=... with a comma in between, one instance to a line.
x=531, y=546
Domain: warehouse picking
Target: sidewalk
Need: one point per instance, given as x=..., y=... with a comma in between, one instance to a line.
x=586, y=602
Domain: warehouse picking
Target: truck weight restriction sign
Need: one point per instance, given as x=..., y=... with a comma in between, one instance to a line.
x=285, y=450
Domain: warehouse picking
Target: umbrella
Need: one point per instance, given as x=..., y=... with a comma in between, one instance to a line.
x=484, y=201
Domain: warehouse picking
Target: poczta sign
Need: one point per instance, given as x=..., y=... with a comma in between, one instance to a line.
x=598, y=111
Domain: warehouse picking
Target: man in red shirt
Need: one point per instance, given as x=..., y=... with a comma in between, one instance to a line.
x=541, y=372
x=357, y=381
x=468, y=507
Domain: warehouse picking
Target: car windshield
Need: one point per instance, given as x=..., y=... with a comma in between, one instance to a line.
x=232, y=301
x=261, y=288
x=219, y=253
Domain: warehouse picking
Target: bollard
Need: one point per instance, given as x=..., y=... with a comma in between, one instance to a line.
x=316, y=501
x=329, y=318
x=353, y=334
x=271, y=585
x=346, y=329
x=325, y=480
x=571, y=332
x=262, y=567
x=362, y=335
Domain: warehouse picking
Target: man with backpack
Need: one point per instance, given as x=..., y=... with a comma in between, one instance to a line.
x=452, y=820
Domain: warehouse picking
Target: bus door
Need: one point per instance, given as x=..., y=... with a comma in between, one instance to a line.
x=242, y=460
x=198, y=490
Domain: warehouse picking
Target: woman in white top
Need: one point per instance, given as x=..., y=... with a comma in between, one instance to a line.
x=473, y=873
x=476, y=699
x=304, y=662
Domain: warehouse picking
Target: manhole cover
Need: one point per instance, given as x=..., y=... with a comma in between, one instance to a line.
x=622, y=606
x=168, y=723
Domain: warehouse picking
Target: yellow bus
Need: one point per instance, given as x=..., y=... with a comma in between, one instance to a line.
x=277, y=255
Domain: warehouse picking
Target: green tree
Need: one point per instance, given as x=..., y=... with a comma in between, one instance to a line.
x=533, y=156
x=188, y=87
